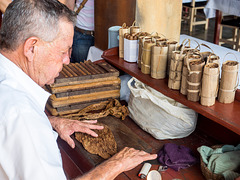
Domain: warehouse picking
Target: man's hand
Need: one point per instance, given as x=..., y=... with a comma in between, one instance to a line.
x=130, y=158
x=125, y=160
x=66, y=127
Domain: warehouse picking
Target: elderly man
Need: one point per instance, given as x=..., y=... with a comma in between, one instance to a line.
x=35, y=41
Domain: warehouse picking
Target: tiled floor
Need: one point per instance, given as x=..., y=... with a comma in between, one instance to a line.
x=207, y=35
x=199, y=30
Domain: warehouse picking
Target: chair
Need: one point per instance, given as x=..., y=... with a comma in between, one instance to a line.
x=227, y=23
x=192, y=14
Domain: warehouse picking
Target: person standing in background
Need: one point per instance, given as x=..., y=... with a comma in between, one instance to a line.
x=84, y=30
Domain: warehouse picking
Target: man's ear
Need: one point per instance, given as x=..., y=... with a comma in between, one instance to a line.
x=30, y=47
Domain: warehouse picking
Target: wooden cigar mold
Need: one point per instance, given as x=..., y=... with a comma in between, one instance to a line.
x=81, y=84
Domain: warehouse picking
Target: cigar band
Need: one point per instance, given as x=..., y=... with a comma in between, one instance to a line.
x=175, y=79
x=175, y=71
x=192, y=72
x=179, y=59
x=146, y=49
x=232, y=71
x=217, y=74
x=158, y=72
x=208, y=96
x=193, y=84
x=193, y=91
x=227, y=90
x=145, y=65
x=159, y=54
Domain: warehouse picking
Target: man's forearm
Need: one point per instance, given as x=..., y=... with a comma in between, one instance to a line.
x=108, y=170
x=69, y=3
x=4, y=4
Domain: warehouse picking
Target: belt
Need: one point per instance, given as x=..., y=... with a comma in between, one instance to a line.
x=84, y=31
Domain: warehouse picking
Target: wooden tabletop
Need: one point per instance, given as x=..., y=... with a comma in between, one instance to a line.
x=75, y=162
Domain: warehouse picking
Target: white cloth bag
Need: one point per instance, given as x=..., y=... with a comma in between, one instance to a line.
x=159, y=115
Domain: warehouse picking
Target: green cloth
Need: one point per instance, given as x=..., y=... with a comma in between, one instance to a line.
x=230, y=175
x=227, y=148
x=224, y=160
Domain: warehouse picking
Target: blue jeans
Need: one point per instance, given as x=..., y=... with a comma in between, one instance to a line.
x=81, y=44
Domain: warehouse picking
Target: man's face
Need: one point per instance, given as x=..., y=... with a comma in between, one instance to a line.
x=52, y=55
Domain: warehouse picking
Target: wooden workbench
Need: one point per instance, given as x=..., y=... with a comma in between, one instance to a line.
x=75, y=163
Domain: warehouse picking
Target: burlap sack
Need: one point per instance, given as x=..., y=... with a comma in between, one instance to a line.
x=210, y=83
x=194, y=78
x=229, y=80
x=175, y=71
x=146, y=56
x=159, y=61
x=124, y=29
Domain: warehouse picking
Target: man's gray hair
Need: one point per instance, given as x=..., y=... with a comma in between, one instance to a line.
x=28, y=18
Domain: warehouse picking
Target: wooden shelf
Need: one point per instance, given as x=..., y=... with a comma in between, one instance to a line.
x=227, y=115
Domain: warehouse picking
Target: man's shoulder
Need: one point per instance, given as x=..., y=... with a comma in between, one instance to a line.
x=13, y=99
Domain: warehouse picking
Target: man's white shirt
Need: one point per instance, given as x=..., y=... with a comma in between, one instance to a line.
x=28, y=147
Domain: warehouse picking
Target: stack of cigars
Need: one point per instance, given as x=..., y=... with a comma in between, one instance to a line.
x=82, y=84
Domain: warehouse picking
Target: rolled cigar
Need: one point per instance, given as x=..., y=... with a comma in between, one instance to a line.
x=66, y=71
x=74, y=69
x=71, y=71
x=83, y=69
x=87, y=68
x=90, y=67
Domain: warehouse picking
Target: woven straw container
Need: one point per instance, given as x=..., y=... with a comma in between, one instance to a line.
x=146, y=57
x=190, y=56
x=210, y=81
x=205, y=54
x=134, y=29
x=140, y=49
x=194, y=79
x=229, y=81
x=172, y=46
x=159, y=61
x=213, y=58
x=175, y=71
x=207, y=173
x=124, y=29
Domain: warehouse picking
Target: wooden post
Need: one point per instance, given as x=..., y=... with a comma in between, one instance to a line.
x=0, y=19
x=111, y=13
x=218, y=19
x=161, y=16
